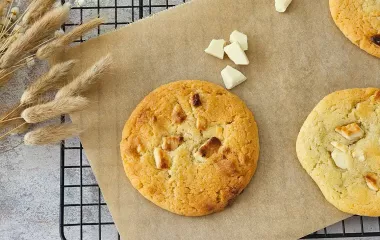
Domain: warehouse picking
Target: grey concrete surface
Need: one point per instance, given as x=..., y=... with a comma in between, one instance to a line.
x=29, y=176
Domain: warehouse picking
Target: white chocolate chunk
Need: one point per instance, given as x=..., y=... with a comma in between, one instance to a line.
x=340, y=146
x=171, y=143
x=236, y=54
x=201, y=123
x=371, y=180
x=340, y=158
x=216, y=48
x=161, y=158
x=240, y=38
x=351, y=131
x=232, y=77
x=282, y=5
x=359, y=155
x=214, y=131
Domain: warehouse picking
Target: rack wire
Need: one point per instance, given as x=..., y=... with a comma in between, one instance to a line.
x=83, y=212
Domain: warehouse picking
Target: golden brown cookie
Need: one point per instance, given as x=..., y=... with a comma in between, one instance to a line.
x=190, y=147
x=339, y=147
x=359, y=20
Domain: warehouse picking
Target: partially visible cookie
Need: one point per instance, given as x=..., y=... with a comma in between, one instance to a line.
x=339, y=147
x=359, y=20
x=190, y=147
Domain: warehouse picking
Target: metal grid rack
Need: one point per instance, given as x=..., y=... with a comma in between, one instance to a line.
x=83, y=212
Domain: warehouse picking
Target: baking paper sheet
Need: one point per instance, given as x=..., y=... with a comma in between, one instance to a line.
x=296, y=58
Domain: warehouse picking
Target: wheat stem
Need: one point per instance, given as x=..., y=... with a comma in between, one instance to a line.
x=11, y=119
x=12, y=130
x=14, y=110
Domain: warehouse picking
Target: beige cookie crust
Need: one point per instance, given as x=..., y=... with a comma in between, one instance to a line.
x=346, y=189
x=359, y=20
x=193, y=185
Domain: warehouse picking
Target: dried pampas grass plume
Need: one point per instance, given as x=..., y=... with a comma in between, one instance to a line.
x=49, y=81
x=84, y=81
x=51, y=134
x=40, y=30
x=56, y=45
x=55, y=108
x=36, y=9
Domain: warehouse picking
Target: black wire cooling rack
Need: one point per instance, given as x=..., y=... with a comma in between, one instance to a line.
x=83, y=212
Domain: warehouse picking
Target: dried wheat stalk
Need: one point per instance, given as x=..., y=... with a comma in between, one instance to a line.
x=54, y=46
x=39, y=31
x=5, y=75
x=51, y=134
x=11, y=114
x=84, y=81
x=50, y=80
x=55, y=108
x=27, y=36
x=36, y=10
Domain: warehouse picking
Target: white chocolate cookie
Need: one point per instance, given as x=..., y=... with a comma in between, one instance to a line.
x=339, y=147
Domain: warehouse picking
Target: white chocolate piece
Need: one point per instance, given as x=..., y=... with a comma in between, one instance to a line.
x=232, y=77
x=371, y=180
x=359, y=155
x=240, y=38
x=216, y=48
x=282, y=5
x=351, y=132
x=236, y=54
x=161, y=158
x=340, y=158
x=340, y=146
x=214, y=131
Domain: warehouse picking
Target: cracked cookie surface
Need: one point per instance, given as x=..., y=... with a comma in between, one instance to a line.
x=190, y=147
x=339, y=147
x=359, y=20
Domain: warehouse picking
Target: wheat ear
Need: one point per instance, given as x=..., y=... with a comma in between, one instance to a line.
x=55, y=108
x=3, y=5
x=48, y=81
x=84, y=81
x=51, y=134
x=37, y=8
x=54, y=46
x=41, y=29
x=49, y=49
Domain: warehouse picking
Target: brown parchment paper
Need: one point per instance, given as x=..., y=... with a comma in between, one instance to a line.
x=296, y=58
